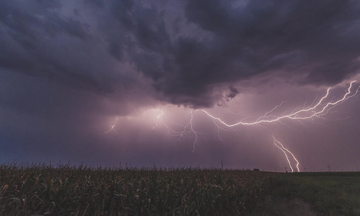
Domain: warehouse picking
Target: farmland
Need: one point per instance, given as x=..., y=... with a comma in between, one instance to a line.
x=81, y=190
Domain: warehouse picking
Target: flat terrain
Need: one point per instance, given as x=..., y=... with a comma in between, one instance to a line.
x=325, y=193
x=68, y=190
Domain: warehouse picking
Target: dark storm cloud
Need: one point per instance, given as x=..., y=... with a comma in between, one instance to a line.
x=184, y=50
x=311, y=42
x=233, y=92
x=317, y=39
x=36, y=40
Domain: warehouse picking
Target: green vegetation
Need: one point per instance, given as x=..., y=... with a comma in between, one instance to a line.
x=69, y=190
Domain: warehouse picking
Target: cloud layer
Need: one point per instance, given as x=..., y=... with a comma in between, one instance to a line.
x=182, y=50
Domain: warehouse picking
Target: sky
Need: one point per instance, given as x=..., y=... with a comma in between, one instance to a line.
x=104, y=82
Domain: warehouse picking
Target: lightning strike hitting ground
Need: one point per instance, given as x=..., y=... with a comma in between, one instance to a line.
x=315, y=110
x=278, y=144
x=308, y=113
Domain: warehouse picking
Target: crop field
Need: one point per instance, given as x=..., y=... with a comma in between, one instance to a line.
x=70, y=190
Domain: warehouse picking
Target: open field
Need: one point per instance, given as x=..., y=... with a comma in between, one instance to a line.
x=323, y=193
x=67, y=190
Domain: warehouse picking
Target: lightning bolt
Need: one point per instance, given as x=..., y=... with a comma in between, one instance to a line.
x=160, y=118
x=295, y=115
x=112, y=128
x=280, y=146
x=307, y=113
x=182, y=133
x=272, y=110
x=317, y=110
x=192, y=129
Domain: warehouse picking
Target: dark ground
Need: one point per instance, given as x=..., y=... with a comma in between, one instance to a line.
x=67, y=190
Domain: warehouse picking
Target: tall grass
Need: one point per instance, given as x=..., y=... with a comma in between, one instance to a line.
x=81, y=190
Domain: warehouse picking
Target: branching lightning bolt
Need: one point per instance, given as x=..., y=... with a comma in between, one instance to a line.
x=315, y=110
x=272, y=110
x=307, y=113
x=294, y=115
x=160, y=118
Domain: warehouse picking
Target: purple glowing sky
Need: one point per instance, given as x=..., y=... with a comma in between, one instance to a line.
x=68, y=69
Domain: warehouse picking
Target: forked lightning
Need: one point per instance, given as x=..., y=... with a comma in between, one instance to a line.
x=318, y=110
